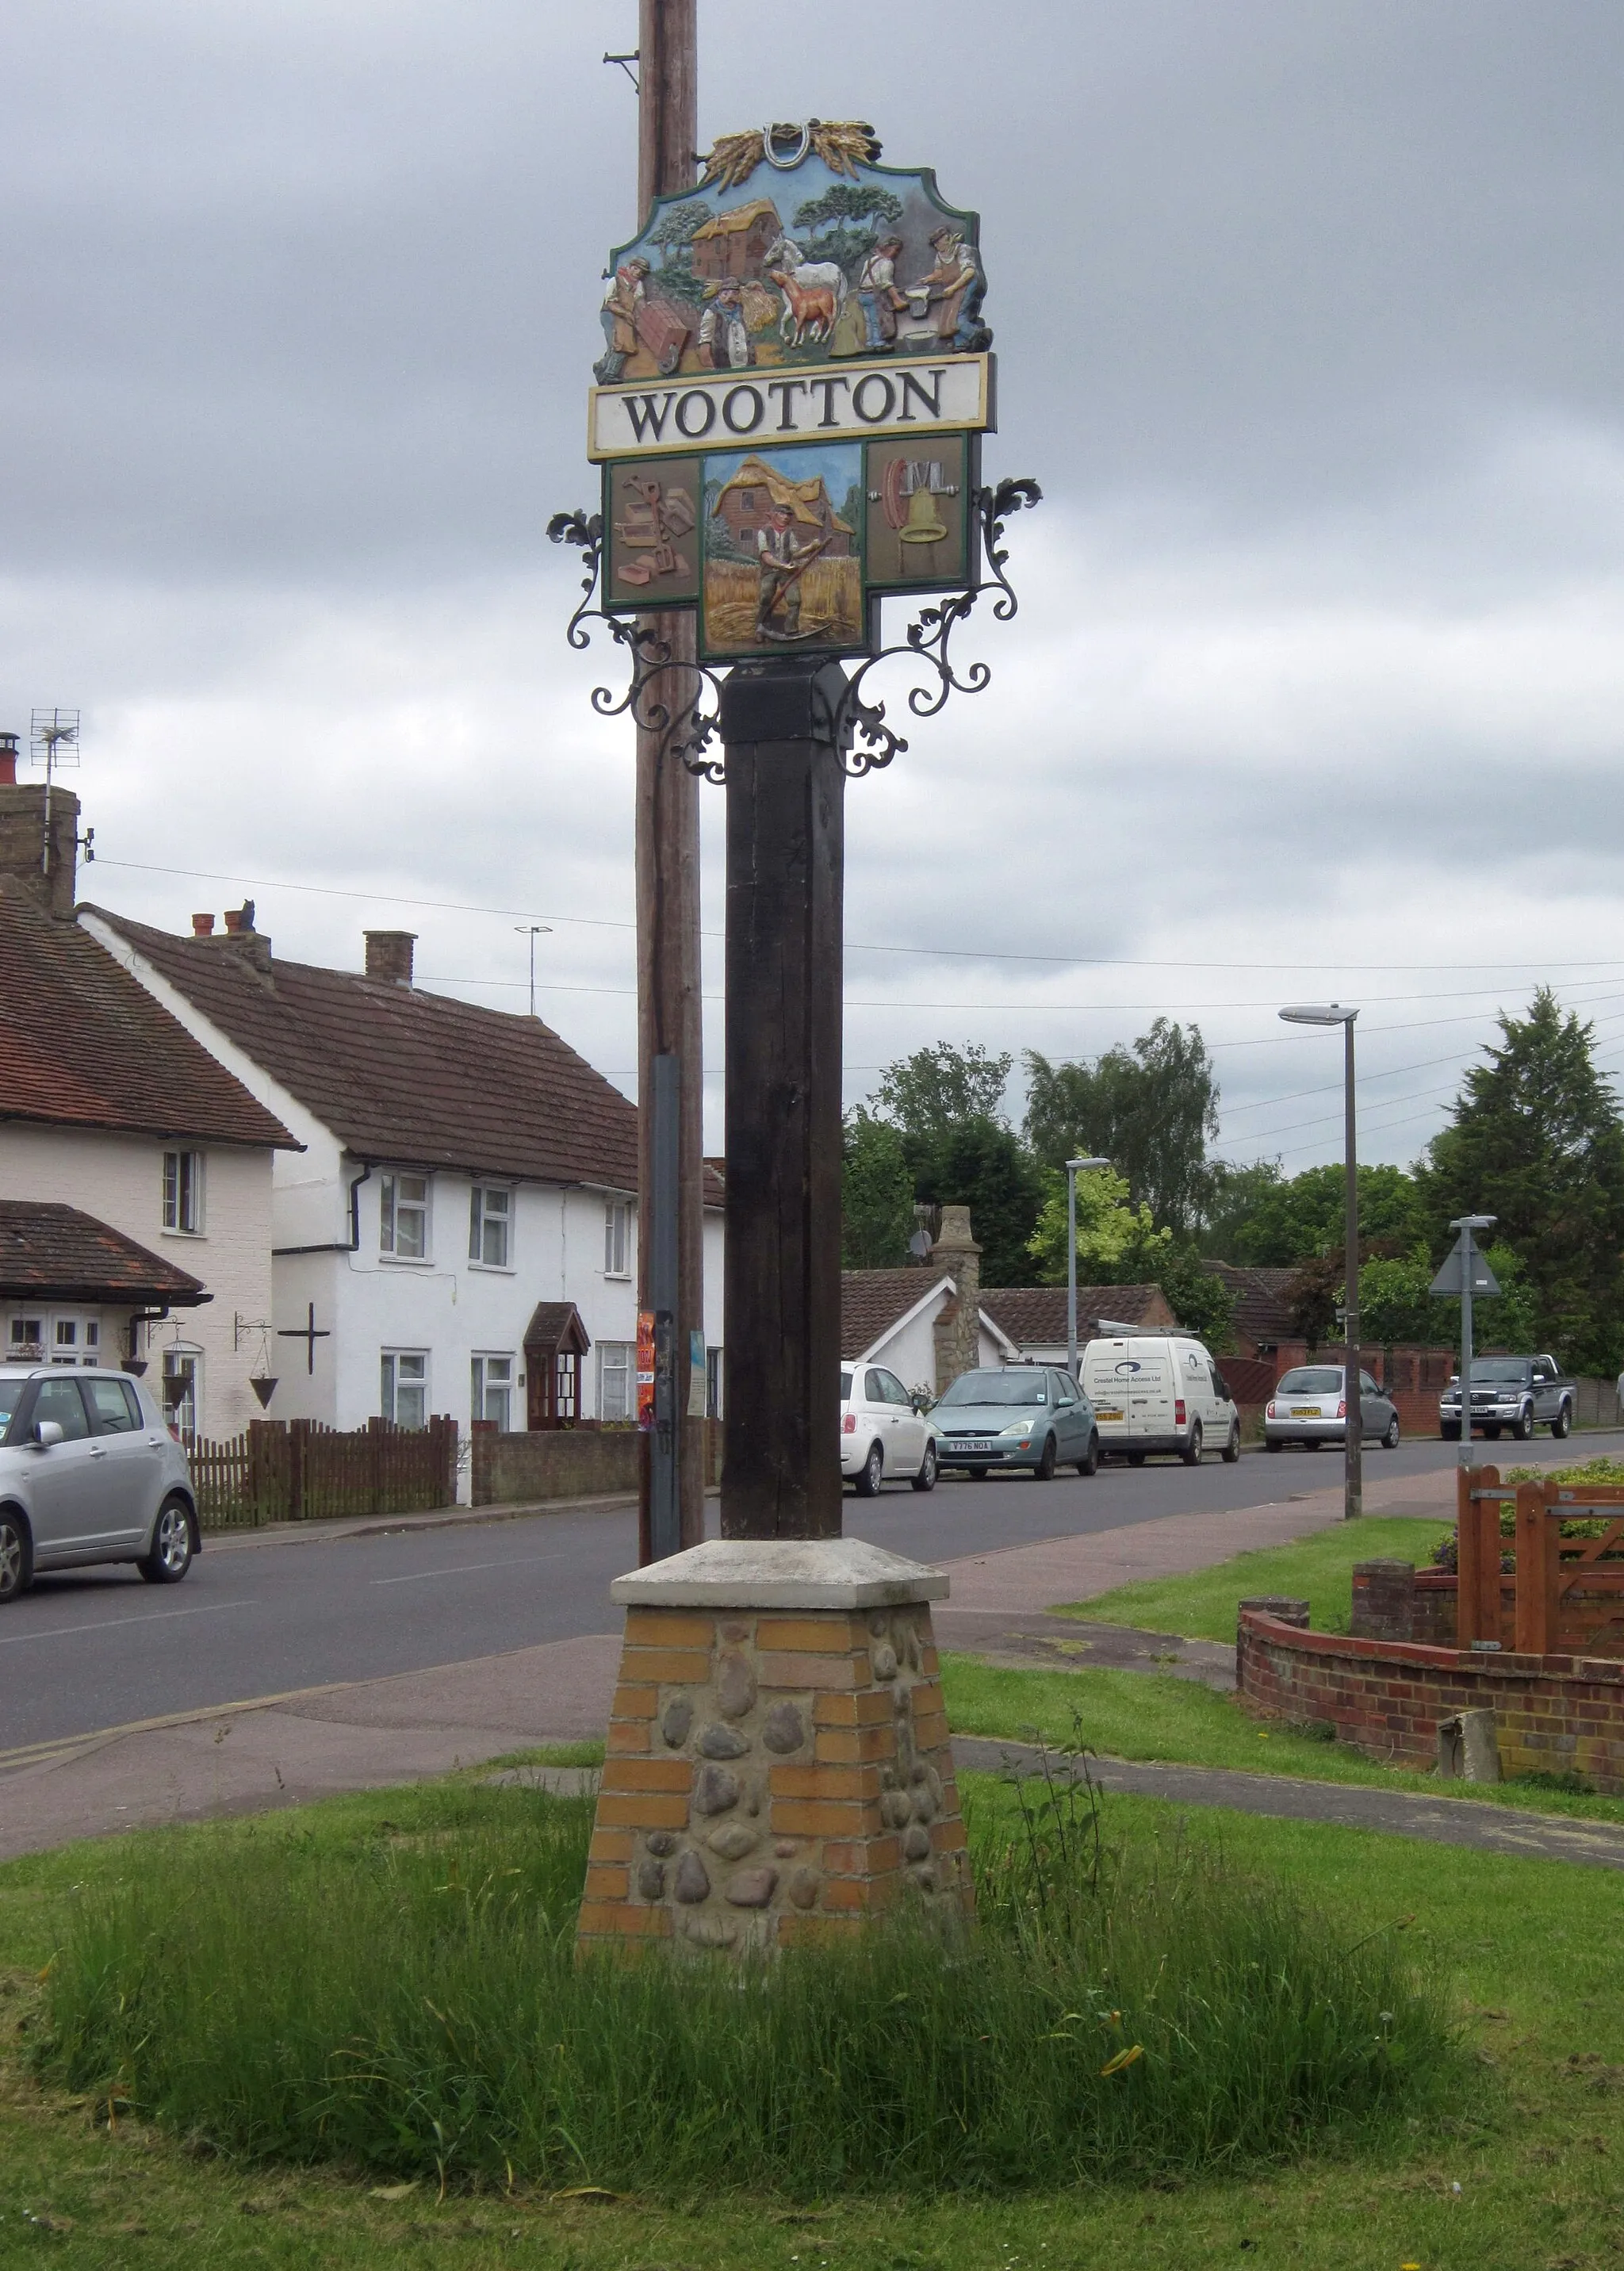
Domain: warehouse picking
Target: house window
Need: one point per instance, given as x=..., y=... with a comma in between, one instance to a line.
x=65, y=1341
x=25, y=1343
x=405, y=1386
x=182, y=1387
x=489, y=1217
x=403, y=1218
x=617, y=1239
x=493, y=1390
x=616, y=1378
x=183, y=1192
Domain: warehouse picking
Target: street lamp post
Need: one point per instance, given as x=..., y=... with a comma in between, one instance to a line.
x=1074, y=1168
x=1333, y=1013
x=533, y=931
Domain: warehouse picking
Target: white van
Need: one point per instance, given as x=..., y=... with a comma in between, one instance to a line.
x=1155, y=1392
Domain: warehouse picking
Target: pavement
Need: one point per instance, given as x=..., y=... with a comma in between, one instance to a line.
x=270, y=1750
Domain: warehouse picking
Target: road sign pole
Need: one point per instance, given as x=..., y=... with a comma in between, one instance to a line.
x=1353, y=1434
x=1466, y=1345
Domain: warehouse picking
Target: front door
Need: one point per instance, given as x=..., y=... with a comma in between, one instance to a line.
x=67, y=1494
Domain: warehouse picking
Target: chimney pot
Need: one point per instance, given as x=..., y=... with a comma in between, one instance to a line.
x=8, y=760
x=202, y=926
x=233, y=920
x=389, y=955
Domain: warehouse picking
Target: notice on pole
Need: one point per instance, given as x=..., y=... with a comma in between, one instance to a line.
x=645, y=1367
x=698, y=1398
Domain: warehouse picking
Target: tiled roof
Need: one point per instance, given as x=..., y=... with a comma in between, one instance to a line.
x=1034, y=1316
x=554, y=1325
x=50, y=1252
x=1263, y=1309
x=83, y=1045
x=873, y=1300
x=405, y=1076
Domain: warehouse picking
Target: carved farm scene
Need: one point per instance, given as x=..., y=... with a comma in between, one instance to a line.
x=788, y=257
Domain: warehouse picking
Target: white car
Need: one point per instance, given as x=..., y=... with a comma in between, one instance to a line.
x=883, y=1437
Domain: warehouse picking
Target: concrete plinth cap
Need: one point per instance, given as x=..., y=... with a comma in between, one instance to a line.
x=792, y=1573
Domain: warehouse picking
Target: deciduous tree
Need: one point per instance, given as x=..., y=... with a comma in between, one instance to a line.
x=1150, y=1111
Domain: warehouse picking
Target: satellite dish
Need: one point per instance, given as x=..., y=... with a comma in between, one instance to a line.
x=920, y=1244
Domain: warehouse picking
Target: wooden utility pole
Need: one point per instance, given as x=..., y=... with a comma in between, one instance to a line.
x=667, y=857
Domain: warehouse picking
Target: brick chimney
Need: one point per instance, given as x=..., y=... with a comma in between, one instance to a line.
x=958, y=1329
x=389, y=955
x=241, y=936
x=47, y=873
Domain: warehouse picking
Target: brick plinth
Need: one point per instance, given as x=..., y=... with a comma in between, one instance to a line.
x=1552, y=1714
x=772, y=1775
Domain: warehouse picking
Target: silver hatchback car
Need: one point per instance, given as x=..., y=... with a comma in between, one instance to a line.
x=89, y=1472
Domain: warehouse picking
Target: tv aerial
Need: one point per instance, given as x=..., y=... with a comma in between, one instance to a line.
x=54, y=743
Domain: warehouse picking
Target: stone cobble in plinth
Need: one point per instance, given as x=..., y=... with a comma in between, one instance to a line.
x=779, y=1765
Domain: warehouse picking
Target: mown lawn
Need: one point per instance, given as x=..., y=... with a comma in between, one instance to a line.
x=1526, y=2172
x=1318, y=1569
x=1137, y=1714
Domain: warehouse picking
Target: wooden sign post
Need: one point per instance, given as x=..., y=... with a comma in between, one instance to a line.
x=789, y=406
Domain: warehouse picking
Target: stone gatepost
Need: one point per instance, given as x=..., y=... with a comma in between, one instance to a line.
x=779, y=1766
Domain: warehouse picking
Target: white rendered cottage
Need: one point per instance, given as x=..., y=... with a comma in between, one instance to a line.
x=136, y=1172
x=465, y=1173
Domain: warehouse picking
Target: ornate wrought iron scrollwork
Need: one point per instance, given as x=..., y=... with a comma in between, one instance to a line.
x=688, y=728
x=928, y=638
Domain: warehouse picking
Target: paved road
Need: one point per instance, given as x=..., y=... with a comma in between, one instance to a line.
x=98, y=1648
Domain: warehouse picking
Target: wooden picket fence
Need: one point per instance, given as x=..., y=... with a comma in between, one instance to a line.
x=301, y=1470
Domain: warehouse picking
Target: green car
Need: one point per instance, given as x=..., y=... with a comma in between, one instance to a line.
x=1027, y=1416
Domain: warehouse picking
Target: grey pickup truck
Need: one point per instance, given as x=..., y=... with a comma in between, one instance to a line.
x=1517, y=1393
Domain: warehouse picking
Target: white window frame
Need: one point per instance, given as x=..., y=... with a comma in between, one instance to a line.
x=481, y=1386
x=176, y=1417
x=393, y=1210
x=617, y=1237
x=617, y=1360
x=183, y=1194
x=490, y=1207
x=391, y=1383
x=17, y=1339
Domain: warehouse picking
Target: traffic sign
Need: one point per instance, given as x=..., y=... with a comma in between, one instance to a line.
x=1450, y=1278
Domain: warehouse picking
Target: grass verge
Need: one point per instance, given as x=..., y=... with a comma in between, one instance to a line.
x=1137, y=1714
x=409, y=1996
x=1524, y=2172
x=1319, y=1569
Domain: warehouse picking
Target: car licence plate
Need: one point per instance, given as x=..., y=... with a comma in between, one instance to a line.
x=964, y=1443
x=1105, y=1412
x=1306, y=1411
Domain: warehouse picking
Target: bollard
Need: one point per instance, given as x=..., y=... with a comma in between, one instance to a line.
x=1468, y=1747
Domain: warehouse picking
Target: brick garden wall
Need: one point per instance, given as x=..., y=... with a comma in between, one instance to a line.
x=1553, y=1714
x=563, y=1463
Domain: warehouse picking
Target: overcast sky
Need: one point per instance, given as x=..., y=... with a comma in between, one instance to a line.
x=1309, y=322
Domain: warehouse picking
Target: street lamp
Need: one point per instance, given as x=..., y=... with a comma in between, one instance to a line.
x=1333, y=1013
x=1074, y=1168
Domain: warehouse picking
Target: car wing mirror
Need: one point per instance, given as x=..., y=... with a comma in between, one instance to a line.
x=47, y=1433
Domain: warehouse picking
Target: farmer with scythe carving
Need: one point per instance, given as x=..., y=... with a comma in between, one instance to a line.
x=780, y=564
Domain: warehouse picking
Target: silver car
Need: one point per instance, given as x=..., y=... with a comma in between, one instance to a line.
x=89, y=1472
x=1308, y=1407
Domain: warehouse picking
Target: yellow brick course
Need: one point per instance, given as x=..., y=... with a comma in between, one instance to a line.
x=607, y=1881
x=678, y=1666
x=668, y=1629
x=809, y=1817
x=824, y=1781
x=641, y=1810
x=647, y=1774
x=628, y=1735
x=635, y=1703
x=813, y=1635
x=611, y=1845
x=790, y=1669
x=844, y=1745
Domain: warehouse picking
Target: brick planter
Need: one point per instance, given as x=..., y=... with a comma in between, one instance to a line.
x=779, y=1765
x=1553, y=1714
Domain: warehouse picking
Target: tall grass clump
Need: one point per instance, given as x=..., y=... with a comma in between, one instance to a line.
x=410, y=1999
